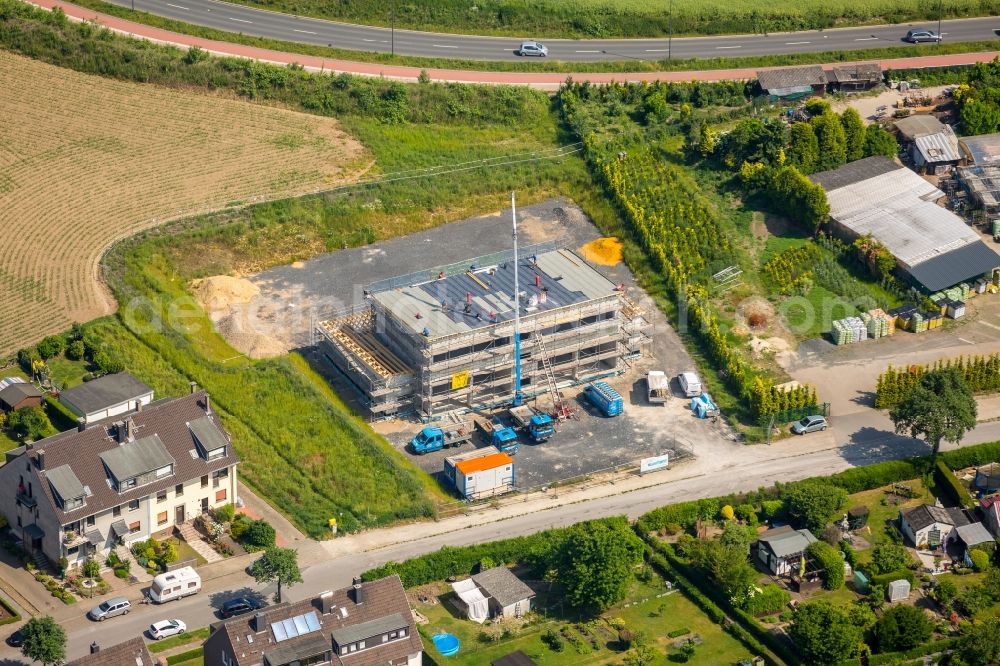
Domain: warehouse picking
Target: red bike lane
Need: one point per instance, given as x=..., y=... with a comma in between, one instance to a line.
x=543, y=80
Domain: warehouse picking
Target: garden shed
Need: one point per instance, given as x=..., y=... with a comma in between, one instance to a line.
x=973, y=534
x=18, y=395
x=899, y=590
x=781, y=549
x=857, y=517
x=929, y=526
x=508, y=596
x=988, y=479
x=792, y=82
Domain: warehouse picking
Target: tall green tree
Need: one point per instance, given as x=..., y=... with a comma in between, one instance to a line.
x=830, y=562
x=940, y=407
x=596, y=563
x=888, y=556
x=278, y=565
x=854, y=134
x=728, y=565
x=812, y=503
x=30, y=423
x=832, y=141
x=44, y=640
x=880, y=142
x=803, y=147
x=902, y=628
x=980, y=117
x=824, y=633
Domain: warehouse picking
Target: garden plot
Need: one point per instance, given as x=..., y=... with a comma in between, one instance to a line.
x=93, y=160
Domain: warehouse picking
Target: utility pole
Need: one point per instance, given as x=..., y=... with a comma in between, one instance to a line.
x=940, y=12
x=670, y=28
x=392, y=38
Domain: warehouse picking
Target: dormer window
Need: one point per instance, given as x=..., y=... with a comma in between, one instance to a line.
x=137, y=463
x=67, y=490
x=209, y=440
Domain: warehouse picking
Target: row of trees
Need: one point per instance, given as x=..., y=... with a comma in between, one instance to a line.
x=981, y=375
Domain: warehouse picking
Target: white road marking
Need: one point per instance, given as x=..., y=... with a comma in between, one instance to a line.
x=728, y=47
x=444, y=46
x=986, y=323
x=240, y=20
x=794, y=43
x=968, y=342
x=588, y=51
x=864, y=39
x=178, y=7
x=368, y=40
x=654, y=51
x=306, y=32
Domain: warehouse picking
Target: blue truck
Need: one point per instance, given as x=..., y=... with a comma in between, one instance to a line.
x=537, y=425
x=500, y=435
x=604, y=398
x=435, y=438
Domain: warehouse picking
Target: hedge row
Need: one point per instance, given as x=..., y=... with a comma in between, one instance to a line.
x=462, y=561
x=185, y=656
x=946, y=480
x=933, y=647
x=14, y=615
x=887, y=578
x=769, y=645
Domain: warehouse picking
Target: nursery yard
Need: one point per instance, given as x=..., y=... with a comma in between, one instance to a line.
x=91, y=160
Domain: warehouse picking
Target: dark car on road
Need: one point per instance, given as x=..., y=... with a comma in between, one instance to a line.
x=916, y=36
x=16, y=639
x=235, y=607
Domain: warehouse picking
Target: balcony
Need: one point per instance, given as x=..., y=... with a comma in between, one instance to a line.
x=73, y=538
x=26, y=500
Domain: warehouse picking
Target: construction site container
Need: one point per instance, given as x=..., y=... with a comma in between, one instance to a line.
x=657, y=387
x=482, y=473
x=606, y=399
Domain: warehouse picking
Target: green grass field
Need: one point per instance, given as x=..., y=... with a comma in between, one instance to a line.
x=623, y=18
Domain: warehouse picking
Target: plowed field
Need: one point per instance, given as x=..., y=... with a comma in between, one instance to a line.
x=86, y=160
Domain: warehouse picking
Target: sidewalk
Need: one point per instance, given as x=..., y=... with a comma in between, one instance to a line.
x=545, y=81
x=255, y=507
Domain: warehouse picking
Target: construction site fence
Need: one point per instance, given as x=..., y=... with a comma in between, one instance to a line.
x=460, y=267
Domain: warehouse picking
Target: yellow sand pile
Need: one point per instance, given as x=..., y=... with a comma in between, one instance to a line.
x=221, y=291
x=603, y=251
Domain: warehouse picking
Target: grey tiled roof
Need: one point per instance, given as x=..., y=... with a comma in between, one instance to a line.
x=791, y=77
x=503, y=586
x=359, y=632
x=134, y=458
x=65, y=482
x=106, y=391
x=869, y=72
x=132, y=652
x=15, y=393
x=924, y=515
x=784, y=543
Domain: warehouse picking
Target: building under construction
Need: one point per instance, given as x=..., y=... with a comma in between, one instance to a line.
x=443, y=340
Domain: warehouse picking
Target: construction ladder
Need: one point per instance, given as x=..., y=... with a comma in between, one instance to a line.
x=562, y=411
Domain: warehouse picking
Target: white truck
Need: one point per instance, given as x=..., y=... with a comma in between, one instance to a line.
x=657, y=387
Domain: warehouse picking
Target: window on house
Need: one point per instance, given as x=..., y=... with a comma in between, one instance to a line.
x=161, y=496
x=134, y=527
x=165, y=471
x=126, y=484
x=220, y=495
x=73, y=551
x=216, y=453
x=161, y=518
x=133, y=505
x=204, y=481
x=402, y=632
x=179, y=490
x=117, y=511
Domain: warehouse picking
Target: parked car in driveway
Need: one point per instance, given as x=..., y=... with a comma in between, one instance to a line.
x=239, y=606
x=16, y=639
x=918, y=35
x=809, y=424
x=533, y=49
x=165, y=628
x=111, y=608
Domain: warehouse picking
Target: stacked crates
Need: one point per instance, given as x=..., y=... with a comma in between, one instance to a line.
x=879, y=324
x=849, y=330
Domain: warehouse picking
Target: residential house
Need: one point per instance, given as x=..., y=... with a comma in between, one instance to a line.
x=106, y=396
x=990, y=508
x=76, y=494
x=507, y=594
x=969, y=536
x=367, y=624
x=516, y=658
x=792, y=82
x=18, y=395
x=781, y=549
x=854, y=78
x=929, y=526
x=132, y=652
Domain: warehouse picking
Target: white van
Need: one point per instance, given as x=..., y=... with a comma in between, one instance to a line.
x=175, y=584
x=690, y=384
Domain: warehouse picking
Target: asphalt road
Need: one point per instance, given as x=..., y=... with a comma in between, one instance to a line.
x=262, y=23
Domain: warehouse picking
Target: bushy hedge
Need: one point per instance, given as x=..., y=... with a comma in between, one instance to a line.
x=770, y=599
x=945, y=479
x=185, y=656
x=462, y=561
x=899, y=574
x=830, y=562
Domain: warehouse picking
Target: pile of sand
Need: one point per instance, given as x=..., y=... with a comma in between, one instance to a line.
x=219, y=292
x=603, y=251
x=247, y=341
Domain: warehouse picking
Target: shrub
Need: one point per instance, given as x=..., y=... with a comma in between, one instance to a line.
x=225, y=513
x=259, y=535
x=766, y=600
x=902, y=627
x=888, y=556
x=678, y=632
x=50, y=346
x=239, y=525
x=980, y=560
x=75, y=350
x=552, y=638
x=830, y=562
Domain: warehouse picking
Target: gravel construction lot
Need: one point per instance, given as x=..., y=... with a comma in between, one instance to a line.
x=292, y=297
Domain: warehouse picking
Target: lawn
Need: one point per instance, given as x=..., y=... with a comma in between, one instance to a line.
x=652, y=616
x=196, y=635
x=881, y=511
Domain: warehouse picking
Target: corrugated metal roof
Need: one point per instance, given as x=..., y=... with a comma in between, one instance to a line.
x=981, y=150
x=566, y=278
x=983, y=182
x=920, y=125
x=940, y=147
x=854, y=172
x=791, y=77
x=897, y=209
x=947, y=270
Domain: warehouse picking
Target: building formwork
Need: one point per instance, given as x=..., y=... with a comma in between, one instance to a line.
x=447, y=343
